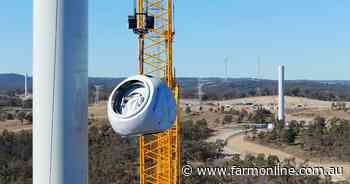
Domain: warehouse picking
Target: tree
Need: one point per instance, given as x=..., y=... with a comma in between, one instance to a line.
x=260, y=115
x=295, y=91
x=222, y=109
x=21, y=116
x=242, y=114
x=28, y=103
x=254, y=133
x=3, y=116
x=227, y=119
x=188, y=109
x=10, y=116
x=29, y=117
x=289, y=135
x=217, y=121
x=201, y=129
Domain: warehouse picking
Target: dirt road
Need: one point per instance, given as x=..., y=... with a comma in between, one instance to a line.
x=237, y=144
x=14, y=125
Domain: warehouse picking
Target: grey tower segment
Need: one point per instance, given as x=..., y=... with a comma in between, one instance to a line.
x=60, y=91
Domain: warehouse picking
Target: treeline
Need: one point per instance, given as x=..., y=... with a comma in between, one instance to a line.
x=320, y=137
x=12, y=101
x=194, y=145
x=328, y=138
x=22, y=116
x=199, y=153
x=220, y=89
x=250, y=161
x=113, y=159
x=15, y=157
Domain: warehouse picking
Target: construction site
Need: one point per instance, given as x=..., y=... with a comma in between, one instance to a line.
x=61, y=126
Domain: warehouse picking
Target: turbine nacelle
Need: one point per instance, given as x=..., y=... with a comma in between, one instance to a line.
x=141, y=105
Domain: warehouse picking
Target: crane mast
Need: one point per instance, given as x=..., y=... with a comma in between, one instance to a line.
x=160, y=153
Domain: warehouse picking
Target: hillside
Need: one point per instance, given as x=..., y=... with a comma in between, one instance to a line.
x=218, y=88
x=13, y=81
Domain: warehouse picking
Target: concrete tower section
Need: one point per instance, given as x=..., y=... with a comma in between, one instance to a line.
x=281, y=100
x=60, y=91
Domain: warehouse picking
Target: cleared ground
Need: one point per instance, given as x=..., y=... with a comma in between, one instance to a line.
x=297, y=108
x=14, y=125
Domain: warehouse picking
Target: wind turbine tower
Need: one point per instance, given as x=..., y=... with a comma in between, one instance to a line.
x=258, y=77
x=200, y=91
x=60, y=91
x=26, y=85
x=258, y=71
x=281, y=100
x=97, y=94
x=226, y=63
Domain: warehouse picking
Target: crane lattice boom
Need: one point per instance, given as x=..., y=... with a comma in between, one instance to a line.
x=160, y=153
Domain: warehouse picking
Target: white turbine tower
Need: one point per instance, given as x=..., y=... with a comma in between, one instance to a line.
x=281, y=102
x=97, y=94
x=258, y=68
x=226, y=63
x=60, y=91
x=26, y=85
x=258, y=78
x=200, y=91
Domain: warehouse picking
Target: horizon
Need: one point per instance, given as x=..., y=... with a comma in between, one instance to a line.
x=188, y=77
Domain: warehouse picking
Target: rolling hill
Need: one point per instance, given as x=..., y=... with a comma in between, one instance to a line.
x=218, y=88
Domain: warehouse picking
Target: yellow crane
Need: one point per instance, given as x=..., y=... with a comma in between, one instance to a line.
x=160, y=153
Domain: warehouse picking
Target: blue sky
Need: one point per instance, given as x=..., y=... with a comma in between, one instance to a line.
x=312, y=38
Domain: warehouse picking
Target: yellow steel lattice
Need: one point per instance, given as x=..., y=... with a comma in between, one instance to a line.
x=155, y=50
x=159, y=153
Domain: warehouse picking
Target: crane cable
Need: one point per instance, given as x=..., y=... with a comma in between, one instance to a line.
x=174, y=25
